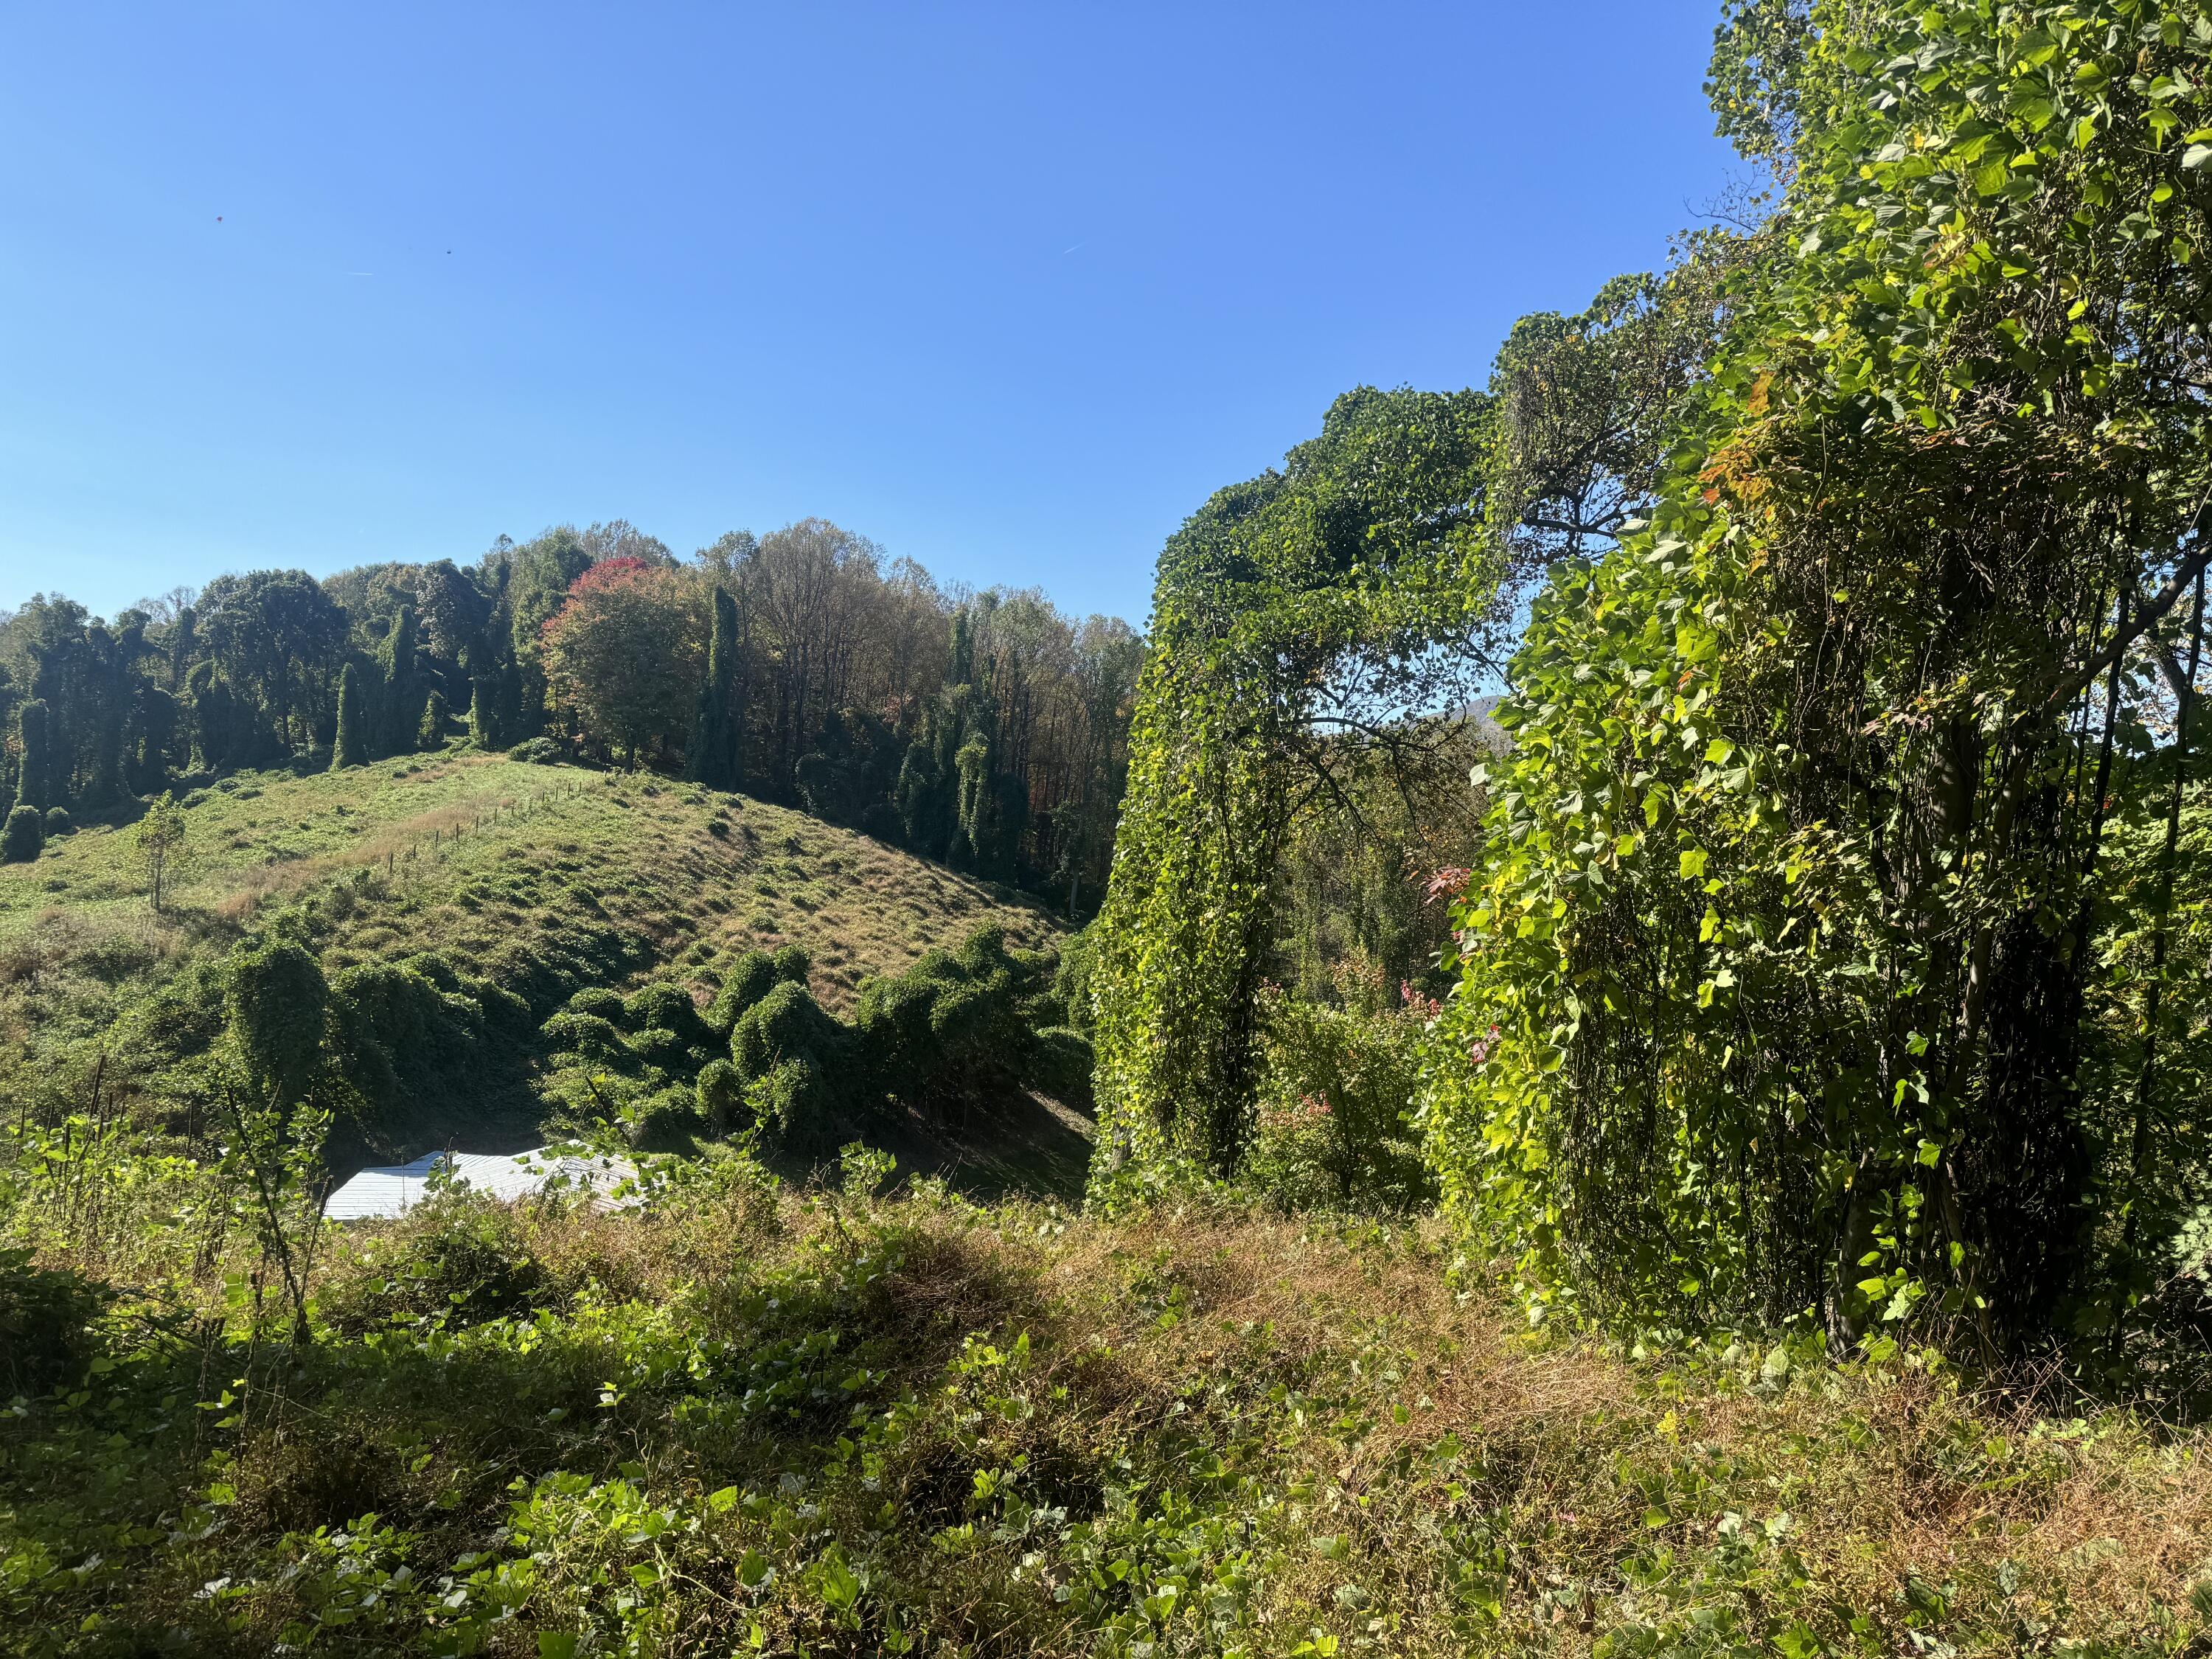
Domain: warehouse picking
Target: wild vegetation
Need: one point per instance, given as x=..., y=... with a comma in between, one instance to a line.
x=453, y=905
x=746, y=1421
x=982, y=730
x=1649, y=1003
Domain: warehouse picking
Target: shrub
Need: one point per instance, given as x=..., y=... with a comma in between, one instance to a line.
x=539, y=752
x=666, y=1121
x=793, y=964
x=23, y=836
x=1331, y=1129
x=598, y=1002
x=59, y=823
x=751, y=978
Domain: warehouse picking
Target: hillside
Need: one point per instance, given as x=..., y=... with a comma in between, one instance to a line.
x=542, y=879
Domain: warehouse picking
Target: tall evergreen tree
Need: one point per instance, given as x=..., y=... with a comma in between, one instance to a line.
x=483, y=730
x=149, y=744
x=396, y=728
x=431, y=733
x=39, y=786
x=717, y=753
x=350, y=746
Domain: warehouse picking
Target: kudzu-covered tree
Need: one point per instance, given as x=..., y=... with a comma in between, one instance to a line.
x=716, y=755
x=1330, y=597
x=350, y=746
x=150, y=741
x=1777, y=968
x=430, y=732
x=37, y=785
x=399, y=724
x=22, y=835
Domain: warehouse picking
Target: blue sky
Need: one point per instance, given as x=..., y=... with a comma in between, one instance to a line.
x=1010, y=289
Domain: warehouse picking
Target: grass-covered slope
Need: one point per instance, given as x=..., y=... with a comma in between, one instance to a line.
x=538, y=880
x=753, y=1421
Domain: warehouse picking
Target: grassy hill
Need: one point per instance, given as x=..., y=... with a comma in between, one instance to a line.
x=542, y=879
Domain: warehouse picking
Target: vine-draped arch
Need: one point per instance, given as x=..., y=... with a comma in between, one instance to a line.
x=1356, y=584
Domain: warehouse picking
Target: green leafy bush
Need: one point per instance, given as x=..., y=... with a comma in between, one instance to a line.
x=46, y=1317
x=1333, y=1127
x=599, y=1003
x=59, y=823
x=23, y=836
x=751, y=978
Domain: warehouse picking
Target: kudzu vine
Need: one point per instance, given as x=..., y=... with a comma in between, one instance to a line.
x=1304, y=603
x=1781, y=990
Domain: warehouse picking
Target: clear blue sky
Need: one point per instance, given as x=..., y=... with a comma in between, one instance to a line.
x=1009, y=288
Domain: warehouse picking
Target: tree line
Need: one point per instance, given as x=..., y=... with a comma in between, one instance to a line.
x=987, y=730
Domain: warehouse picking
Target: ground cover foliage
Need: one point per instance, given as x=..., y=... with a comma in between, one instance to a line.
x=746, y=1419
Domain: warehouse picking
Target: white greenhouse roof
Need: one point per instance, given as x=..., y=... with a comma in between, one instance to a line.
x=381, y=1193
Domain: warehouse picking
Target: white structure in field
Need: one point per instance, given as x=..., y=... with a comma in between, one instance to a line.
x=381, y=1194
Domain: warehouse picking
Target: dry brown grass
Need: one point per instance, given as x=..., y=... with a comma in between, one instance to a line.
x=1888, y=1475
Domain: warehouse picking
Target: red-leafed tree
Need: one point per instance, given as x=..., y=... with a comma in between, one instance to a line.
x=624, y=658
